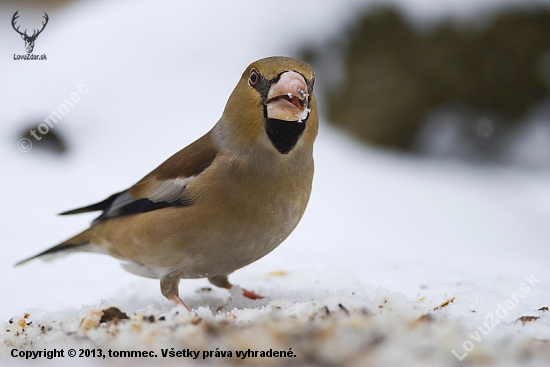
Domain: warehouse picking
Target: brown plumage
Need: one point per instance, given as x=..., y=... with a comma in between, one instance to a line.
x=225, y=200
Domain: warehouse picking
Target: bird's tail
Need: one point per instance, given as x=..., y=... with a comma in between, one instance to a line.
x=74, y=244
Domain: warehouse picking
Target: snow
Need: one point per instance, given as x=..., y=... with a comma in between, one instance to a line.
x=382, y=228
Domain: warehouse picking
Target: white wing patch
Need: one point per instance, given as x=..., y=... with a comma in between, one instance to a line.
x=169, y=190
x=121, y=200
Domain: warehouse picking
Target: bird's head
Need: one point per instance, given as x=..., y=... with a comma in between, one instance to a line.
x=273, y=105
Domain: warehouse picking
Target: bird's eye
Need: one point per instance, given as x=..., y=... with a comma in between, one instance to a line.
x=254, y=77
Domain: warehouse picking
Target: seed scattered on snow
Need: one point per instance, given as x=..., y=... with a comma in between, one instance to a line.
x=204, y=289
x=343, y=308
x=111, y=314
x=444, y=304
x=526, y=319
x=320, y=332
x=277, y=273
x=21, y=323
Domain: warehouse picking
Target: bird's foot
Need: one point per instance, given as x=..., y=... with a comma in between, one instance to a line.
x=222, y=282
x=251, y=295
x=178, y=301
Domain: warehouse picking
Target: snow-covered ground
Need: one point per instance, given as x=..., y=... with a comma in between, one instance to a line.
x=388, y=237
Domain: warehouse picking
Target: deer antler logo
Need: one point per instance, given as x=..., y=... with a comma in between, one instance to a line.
x=29, y=40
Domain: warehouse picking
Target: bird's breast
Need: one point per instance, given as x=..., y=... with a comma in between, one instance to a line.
x=249, y=209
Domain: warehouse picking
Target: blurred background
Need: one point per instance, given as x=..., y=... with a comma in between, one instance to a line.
x=433, y=159
x=448, y=80
x=474, y=88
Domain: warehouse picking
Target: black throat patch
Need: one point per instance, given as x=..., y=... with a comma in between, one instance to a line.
x=284, y=134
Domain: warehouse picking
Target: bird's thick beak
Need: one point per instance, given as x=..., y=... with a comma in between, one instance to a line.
x=288, y=98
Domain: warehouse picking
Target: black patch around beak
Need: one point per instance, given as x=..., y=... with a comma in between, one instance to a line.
x=284, y=134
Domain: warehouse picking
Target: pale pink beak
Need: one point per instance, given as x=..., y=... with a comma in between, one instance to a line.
x=287, y=99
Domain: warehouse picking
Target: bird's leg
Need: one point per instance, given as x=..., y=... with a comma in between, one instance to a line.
x=169, y=288
x=222, y=282
x=178, y=301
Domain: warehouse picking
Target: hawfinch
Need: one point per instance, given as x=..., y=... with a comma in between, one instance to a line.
x=225, y=200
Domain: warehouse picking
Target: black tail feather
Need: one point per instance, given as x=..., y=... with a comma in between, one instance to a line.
x=59, y=248
x=73, y=244
x=94, y=207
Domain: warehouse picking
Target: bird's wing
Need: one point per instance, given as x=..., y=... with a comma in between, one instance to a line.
x=163, y=187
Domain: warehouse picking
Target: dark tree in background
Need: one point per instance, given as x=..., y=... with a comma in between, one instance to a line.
x=396, y=74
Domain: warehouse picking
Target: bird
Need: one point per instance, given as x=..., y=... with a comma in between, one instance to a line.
x=224, y=201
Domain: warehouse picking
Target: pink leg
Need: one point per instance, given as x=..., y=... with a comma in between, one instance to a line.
x=178, y=301
x=251, y=295
x=222, y=282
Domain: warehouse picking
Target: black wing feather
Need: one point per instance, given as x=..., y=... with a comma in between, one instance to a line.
x=105, y=204
x=122, y=204
x=138, y=206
